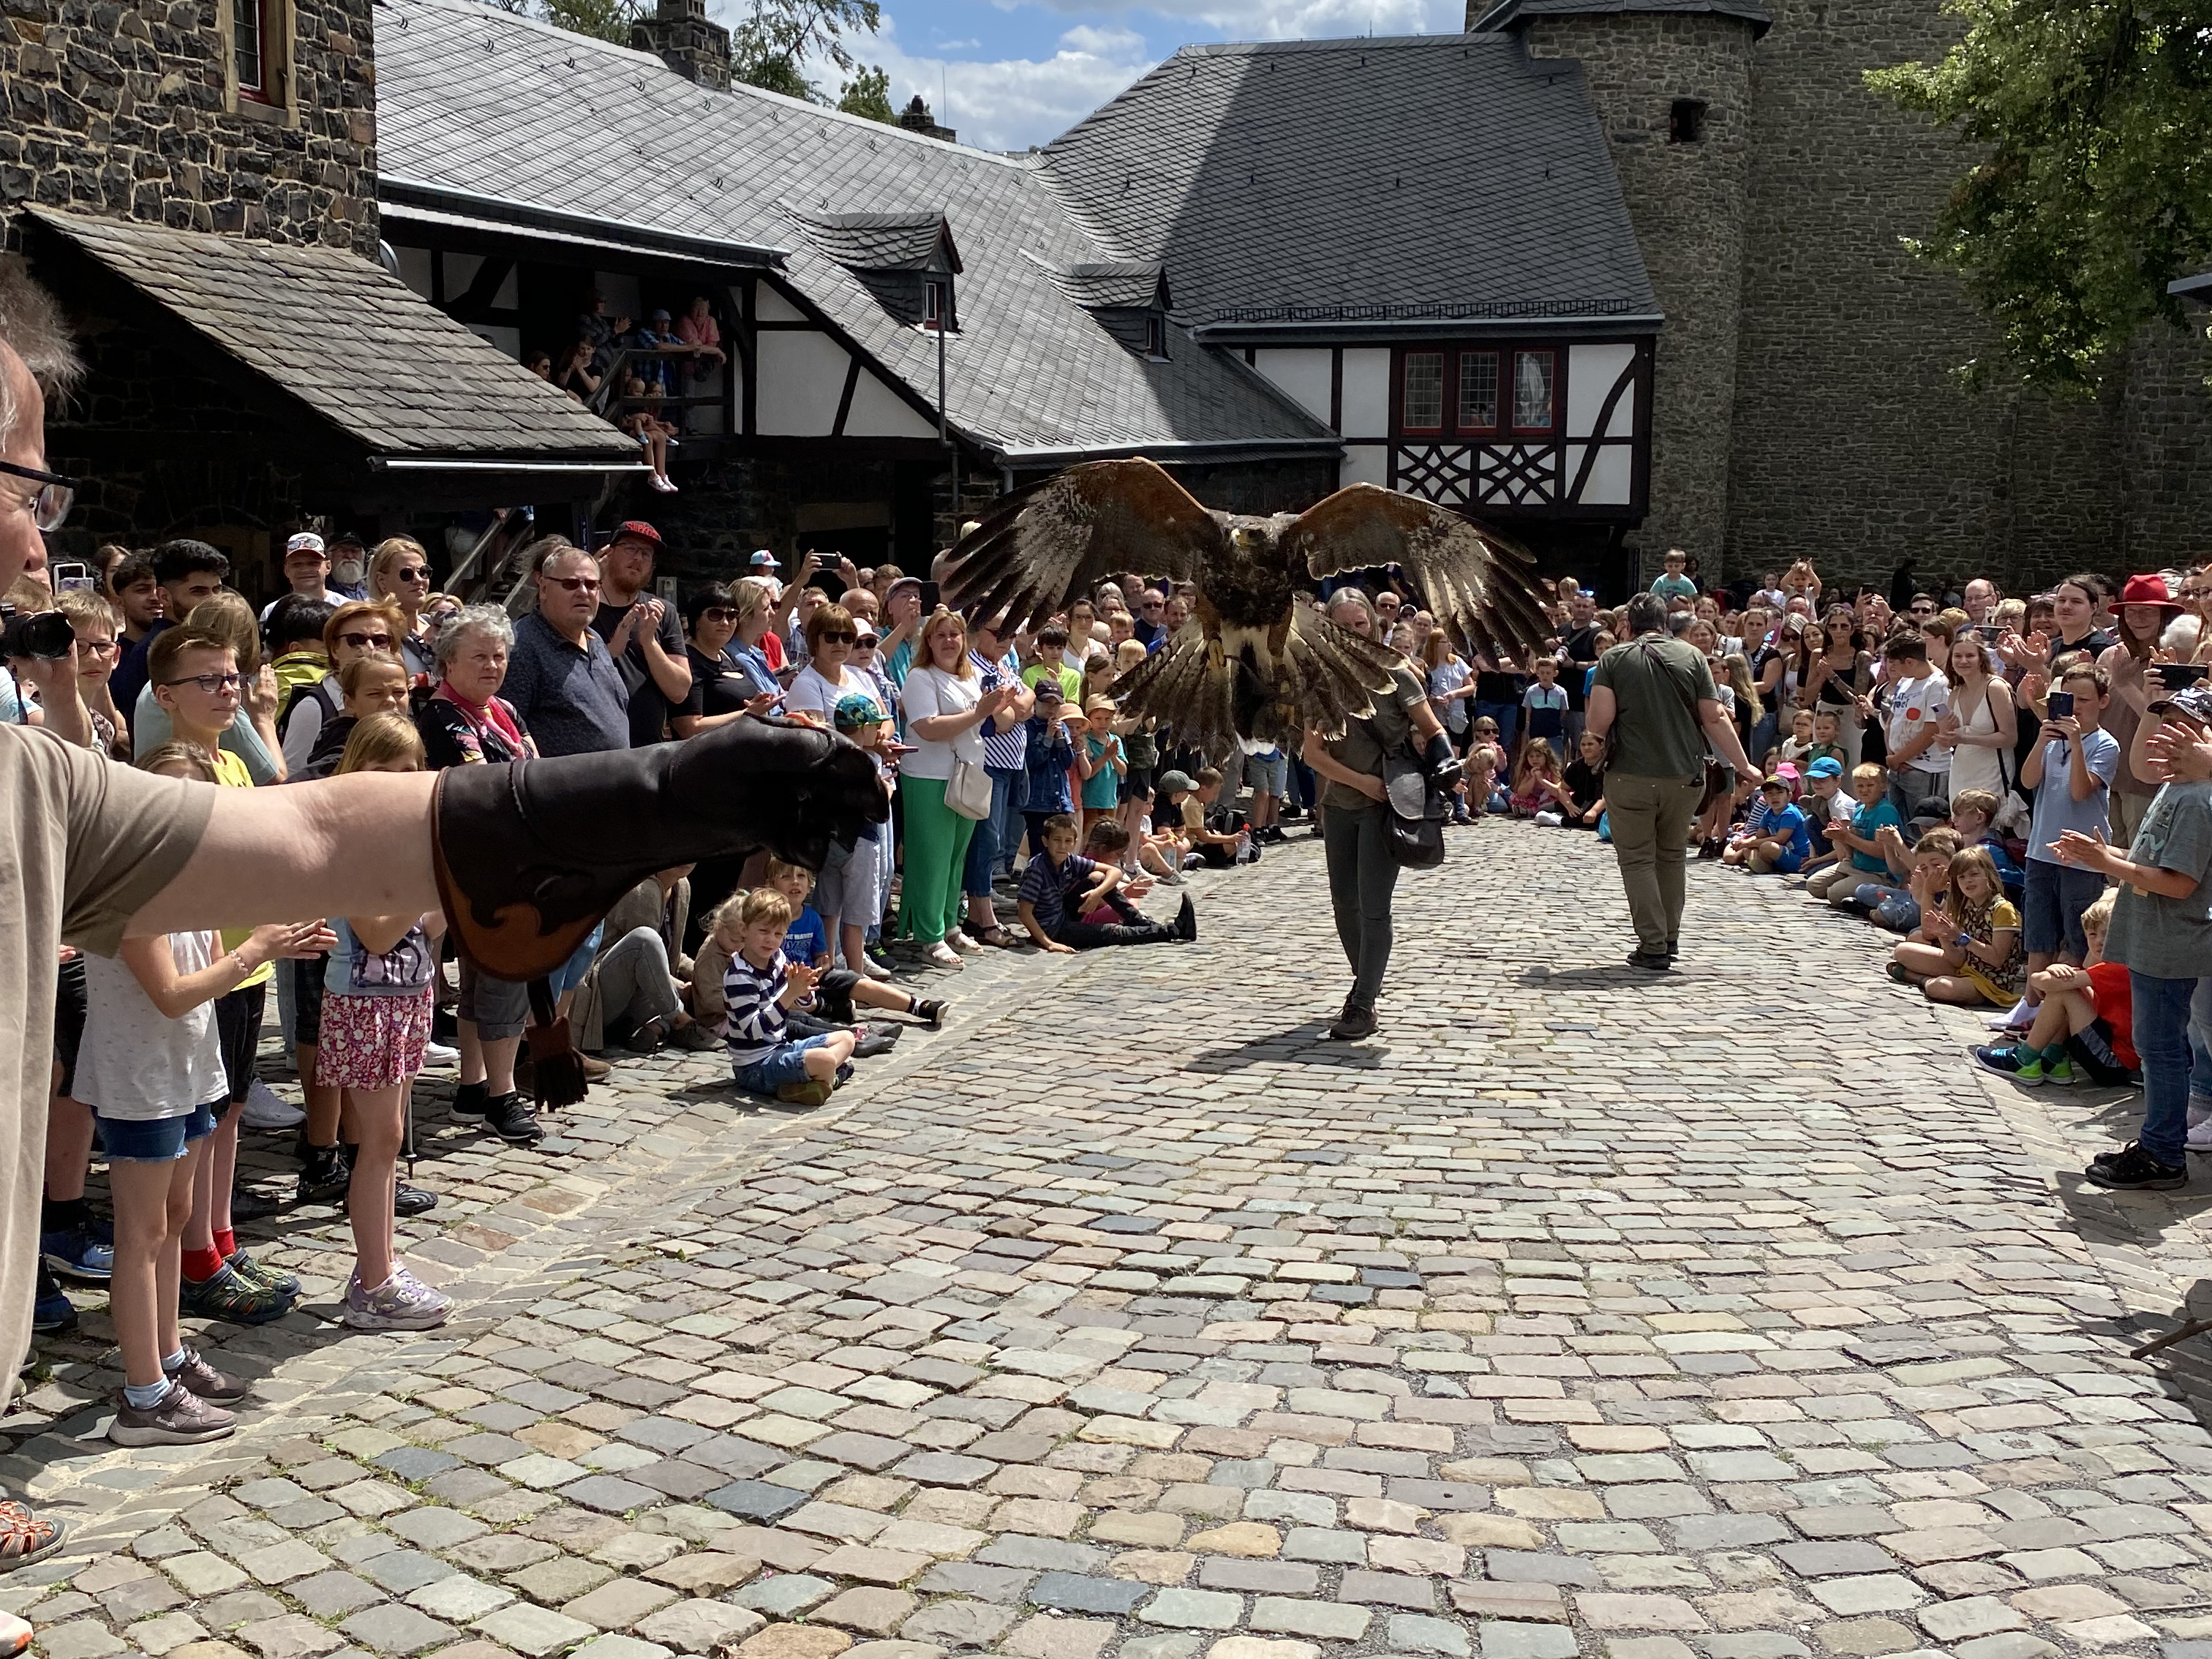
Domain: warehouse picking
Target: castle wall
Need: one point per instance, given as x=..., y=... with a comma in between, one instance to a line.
x=1687, y=200
x=133, y=112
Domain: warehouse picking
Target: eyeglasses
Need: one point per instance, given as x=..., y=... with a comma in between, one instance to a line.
x=98, y=648
x=838, y=636
x=410, y=577
x=367, y=641
x=1152, y=604
x=52, y=503
x=212, y=685
x=574, y=583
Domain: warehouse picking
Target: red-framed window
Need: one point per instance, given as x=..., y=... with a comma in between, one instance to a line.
x=251, y=42
x=1535, y=390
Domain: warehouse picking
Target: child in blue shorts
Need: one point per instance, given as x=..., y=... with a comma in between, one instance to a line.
x=758, y=988
x=1784, y=842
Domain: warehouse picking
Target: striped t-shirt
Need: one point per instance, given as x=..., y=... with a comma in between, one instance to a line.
x=756, y=1027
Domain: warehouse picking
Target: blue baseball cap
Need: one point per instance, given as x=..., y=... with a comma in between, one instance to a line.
x=1827, y=767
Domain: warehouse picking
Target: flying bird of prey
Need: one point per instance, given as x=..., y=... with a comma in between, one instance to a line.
x=1255, y=659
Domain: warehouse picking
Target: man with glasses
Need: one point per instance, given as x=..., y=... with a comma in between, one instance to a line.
x=1152, y=618
x=560, y=678
x=188, y=572
x=640, y=632
x=1923, y=607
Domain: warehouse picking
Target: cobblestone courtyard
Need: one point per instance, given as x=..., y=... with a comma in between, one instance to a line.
x=1726, y=1316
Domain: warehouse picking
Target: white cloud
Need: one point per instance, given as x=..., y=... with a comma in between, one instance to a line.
x=1010, y=103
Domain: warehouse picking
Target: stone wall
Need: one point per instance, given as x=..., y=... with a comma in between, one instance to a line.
x=124, y=110
x=1687, y=200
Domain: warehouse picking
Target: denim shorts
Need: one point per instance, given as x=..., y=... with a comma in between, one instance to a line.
x=158, y=1139
x=785, y=1064
x=2056, y=895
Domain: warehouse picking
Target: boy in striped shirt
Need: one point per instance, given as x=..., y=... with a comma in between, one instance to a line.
x=759, y=988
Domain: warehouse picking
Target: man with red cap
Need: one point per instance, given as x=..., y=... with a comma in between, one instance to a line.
x=641, y=631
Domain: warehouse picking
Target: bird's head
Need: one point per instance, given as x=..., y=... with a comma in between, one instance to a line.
x=1248, y=538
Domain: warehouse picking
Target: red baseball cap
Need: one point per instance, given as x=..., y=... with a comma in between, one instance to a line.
x=637, y=527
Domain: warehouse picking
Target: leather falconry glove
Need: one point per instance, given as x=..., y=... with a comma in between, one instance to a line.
x=1437, y=755
x=531, y=856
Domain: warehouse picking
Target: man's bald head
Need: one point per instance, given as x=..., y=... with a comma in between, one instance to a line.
x=36, y=361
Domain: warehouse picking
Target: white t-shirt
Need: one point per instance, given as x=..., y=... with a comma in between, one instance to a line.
x=812, y=694
x=1915, y=703
x=135, y=1063
x=933, y=691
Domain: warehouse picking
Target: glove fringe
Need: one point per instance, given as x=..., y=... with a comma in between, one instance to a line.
x=556, y=1070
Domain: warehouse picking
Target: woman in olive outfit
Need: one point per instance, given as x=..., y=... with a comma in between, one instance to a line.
x=1355, y=822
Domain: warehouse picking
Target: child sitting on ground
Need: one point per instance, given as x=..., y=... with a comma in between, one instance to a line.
x=1798, y=747
x=1823, y=803
x=1537, y=785
x=1904, y=903
x=1109, y=843
x=2084, y=1018
x=1484, y=769
x=1973, y=811
x=1975, y=957
x=1219, y=837
x=759, y=989
x=837, y=990
x=1585, y=784
x=1783, y=841
x=1060, y=888
x=1839, y=885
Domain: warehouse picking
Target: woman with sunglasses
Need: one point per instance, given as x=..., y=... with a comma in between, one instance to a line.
x=828, y=675
x=400, y=572
x=727, y=679
x=355, y=628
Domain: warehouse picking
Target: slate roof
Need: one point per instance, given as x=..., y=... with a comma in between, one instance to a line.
x=885, y=242
x=342, y=336
x=1512, y=13
x=482, y=100
x=1131, y=284
x=1364, y=180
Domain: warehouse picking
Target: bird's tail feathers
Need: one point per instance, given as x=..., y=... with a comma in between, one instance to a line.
x=1178, y=686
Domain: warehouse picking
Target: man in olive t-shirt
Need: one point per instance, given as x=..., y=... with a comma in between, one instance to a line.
x=1654, y=696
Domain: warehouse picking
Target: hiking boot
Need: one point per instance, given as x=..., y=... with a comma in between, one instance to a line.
x=1355, y=1022
x=510, y=1118
x=206, y=1383
x=179, y=1418
x=2131, y=1169
x=227, y=1296
x=73, y=1253
x=324, y=1176
x=254, y=1272
x=402, y=1302
x=1186, y=921
x=815, y=1091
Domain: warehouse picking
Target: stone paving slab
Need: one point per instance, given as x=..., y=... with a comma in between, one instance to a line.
x=1701, y=1318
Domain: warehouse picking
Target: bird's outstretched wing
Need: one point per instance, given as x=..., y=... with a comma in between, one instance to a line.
x=1323, y=676
x=1042, y=546
x=1480, y=585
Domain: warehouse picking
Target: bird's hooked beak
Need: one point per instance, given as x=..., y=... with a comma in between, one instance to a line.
x=1247, y=538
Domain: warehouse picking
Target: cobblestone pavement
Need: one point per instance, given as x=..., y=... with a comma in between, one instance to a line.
x=1725, y=1316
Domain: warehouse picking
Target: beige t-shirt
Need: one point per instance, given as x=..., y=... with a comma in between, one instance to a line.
x=84, y=844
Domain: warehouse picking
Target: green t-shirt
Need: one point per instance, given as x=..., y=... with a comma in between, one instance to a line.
x=2164, y=938
x=1655, y=734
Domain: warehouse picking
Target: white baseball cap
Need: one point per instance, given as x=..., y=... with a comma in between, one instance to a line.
x=305, y=542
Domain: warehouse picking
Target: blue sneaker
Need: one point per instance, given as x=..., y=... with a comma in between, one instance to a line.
x=78, y=1254
x=52, y=1312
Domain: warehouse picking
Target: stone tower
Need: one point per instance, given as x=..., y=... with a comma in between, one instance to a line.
x=1672, y=84
x=682, y=36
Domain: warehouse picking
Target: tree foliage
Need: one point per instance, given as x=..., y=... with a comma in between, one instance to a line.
x=769, y=45
x=868, y=93
x=602, y=20
x=2095, y=191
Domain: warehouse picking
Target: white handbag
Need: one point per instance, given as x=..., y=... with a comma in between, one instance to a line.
x=968, y=791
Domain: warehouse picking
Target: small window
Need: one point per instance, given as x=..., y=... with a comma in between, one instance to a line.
x=1155, y=337
x=1532, y=391
x=250, y=48
x=1477, y=392
x=932, y=305
x=1423, y=408
x=1685, y=121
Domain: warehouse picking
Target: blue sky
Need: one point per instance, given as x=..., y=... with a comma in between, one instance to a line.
x=1020, y=72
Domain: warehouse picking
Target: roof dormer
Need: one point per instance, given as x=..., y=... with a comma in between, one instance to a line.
x=907, y=260
x=1128, y=297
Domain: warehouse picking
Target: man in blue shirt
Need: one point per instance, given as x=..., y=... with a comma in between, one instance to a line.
x=560, y=678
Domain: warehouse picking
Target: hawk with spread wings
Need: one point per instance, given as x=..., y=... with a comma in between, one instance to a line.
x=1255, y=659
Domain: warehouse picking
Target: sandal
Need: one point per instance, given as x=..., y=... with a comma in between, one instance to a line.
x=945, y=956
x=25, y=1538
x=996, y=936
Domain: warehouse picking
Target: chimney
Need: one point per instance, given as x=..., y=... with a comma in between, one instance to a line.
x=680, y=34
x=916, y=117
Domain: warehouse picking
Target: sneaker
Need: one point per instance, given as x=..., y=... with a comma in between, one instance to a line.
x=1355, y=1022
x=2132, y=1169
x=180, y=1418
x=408, y=1200
x=876, y=1043
x=324, y=1175
x=510, y=1118
x=438, y=1054
x=402, y=1302
x=226, y=1296
x=647, y=1038
x=815, y=1091
x=930, y=1011
x=74, y=1254
x=51, y=1311
x=2017, y=1017
x=2035, y=1071
x=2002, y=1058
x=265, y=1111
x=206, y=1383
x=469, y=1099
x=268, y=1278
x=844, y=1074
x=874, y=967
x=693, y=1038
x=2200, y=1136
x=1186, y=922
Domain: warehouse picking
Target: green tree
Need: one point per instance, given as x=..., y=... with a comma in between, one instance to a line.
x=2095, y=188
x=767, y=47
x=869, y=93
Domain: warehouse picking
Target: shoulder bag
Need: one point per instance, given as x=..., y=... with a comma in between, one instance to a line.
x=967, y=790
x=1418, y=805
